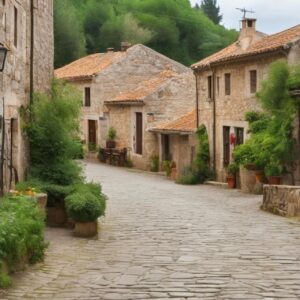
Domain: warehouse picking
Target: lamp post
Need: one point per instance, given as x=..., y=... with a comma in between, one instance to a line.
x=3, y=55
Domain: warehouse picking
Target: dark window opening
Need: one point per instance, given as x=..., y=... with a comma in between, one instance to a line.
x=139, y=133
x=218, y=85
x=253, y=81
x=250, y=23
x=226, y=146
x=87, y=97
x=227, y=84
x=239, y=133
x=209, y=87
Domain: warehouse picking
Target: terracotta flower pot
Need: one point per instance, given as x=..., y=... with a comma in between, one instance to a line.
x=86, y=229
x=56, y=215
x=259, y=176
x=231, y=181
x=274, y=180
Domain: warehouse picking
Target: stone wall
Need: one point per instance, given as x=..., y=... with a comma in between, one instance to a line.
x=230, y=110
x=15, y=80
x=282, y=200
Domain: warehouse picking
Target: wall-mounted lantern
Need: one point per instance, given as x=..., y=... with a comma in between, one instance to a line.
x=3, y=54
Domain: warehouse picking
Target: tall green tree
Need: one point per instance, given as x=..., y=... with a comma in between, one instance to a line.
x=212, y=10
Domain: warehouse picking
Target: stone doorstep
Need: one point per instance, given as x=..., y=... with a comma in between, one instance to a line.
x=217, y=183
x=162, y=174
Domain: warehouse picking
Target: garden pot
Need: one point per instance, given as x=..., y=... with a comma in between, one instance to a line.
x=110, y=144
x=56, y=215
x=231, y=181
x=274, y=180
x=174, y=173
x=86, y=229
x=259, y=176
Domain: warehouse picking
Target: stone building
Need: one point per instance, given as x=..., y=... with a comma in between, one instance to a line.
x=26, y=29
x=131, y=90
x=177, y=140
x=228, y=80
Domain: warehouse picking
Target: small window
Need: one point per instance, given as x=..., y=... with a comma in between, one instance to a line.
x=87, y=97
x=3, y=1
x=253, y=81
x=250, y=23
x=15, y=26
x=209, y=87
x=218, y=85
x=227, y=84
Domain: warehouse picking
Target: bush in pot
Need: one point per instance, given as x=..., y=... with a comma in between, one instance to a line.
x=273, y=172
x=232, y=169
x=85, y=206
x=111, y=136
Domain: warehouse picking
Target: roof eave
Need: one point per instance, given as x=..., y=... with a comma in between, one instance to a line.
x=127, y=102
x=170, y=131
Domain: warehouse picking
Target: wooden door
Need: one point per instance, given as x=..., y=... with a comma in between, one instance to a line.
x=226, y=145
x=139, y=133
x=92, y=132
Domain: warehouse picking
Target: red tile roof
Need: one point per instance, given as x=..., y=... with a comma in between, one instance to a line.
x=268, y=44
x=87, y=67
x=144, y=89
x=186, y=123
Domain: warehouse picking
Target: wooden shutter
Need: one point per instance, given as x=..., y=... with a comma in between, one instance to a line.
x=253, y=81
x=87, y=96
x=226, y=145
x=139, y=133
x=227, y=84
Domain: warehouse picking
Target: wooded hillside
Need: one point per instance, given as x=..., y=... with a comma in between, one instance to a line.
x=171, y=27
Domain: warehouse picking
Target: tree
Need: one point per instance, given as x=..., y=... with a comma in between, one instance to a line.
x=210, y=8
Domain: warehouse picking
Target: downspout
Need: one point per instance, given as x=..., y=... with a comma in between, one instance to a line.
x=214, y=120
x=2, y=151
x=197, y=100
x=31, y=51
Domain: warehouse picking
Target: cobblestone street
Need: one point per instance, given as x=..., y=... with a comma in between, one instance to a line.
x=160, y=240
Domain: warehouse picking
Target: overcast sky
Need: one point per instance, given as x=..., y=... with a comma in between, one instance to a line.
x=272, y=15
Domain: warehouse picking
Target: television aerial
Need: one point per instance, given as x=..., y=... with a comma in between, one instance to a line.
x=245, y=11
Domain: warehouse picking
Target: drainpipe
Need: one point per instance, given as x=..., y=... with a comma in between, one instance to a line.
x=31, y=51
x=197, y=100
x=214, y=120
x=2, y=151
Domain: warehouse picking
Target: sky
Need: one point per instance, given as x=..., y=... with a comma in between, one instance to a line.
x=272, y=15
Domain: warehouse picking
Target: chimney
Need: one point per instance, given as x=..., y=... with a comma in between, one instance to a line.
x=109, y=50
x=248, y=32
x=125, y=46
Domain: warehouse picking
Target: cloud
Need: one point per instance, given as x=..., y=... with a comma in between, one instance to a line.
x=272, y=16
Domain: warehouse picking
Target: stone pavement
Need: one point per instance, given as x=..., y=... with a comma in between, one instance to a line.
x=160, y=240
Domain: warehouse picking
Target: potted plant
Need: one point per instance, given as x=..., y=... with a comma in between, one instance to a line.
x=167, y=167
x=273, y=171
x=85, y=207
x=232, y=170
x=154, y=166
x=111, y=136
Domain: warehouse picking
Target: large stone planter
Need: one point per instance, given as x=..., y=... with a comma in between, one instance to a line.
x=248, y=180
x=87, y=229
x=282, y=200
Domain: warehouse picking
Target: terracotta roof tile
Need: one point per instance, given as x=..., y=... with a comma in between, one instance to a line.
x=88, y=66
x=186, y=123
x=267, y=44
x=144, y=88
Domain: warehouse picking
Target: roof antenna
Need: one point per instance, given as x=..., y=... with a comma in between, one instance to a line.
x=244, y=11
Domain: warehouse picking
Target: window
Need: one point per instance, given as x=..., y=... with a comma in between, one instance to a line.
x=249, y=23
x=227, y=84
x=226, y=146
x=218, y=85
x=87, y=96
x=209, y=87
x=15, y=26
x=139, y=133
x=239, y=133
x=253, y=81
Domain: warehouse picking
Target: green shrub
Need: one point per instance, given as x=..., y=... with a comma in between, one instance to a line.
x=85, y=206
x=188, y=177
x=167, y=166
x=232, y=169
x=273, y=169
x=21, y=233
x=112, y=133
x=154, y=166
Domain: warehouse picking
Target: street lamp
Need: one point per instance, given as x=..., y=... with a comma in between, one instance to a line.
x=3, y=54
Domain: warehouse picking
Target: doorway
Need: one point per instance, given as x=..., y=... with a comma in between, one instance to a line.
x=92, y=135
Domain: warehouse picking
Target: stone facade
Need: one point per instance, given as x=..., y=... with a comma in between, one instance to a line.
x=282, y=200
x=15, y=82
x=126, y=72
x=223, y=112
